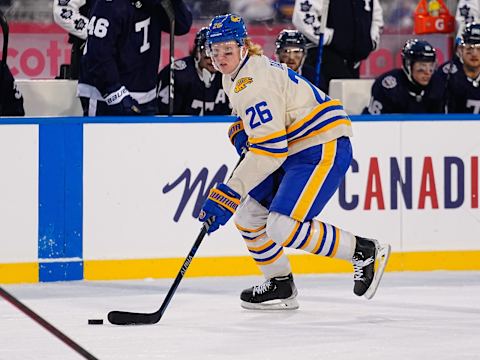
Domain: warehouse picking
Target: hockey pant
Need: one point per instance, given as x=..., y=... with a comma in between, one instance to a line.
x=280, y=211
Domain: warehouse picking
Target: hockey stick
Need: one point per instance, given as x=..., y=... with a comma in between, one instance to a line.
x=167, y=6
x=44, y=323
x=133, y=318
x=323, y=24
x=3, y=63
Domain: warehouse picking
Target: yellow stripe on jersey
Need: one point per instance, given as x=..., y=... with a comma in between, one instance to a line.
x=250, y=230
x=268, y=153
x=323, y=129
x=315, y=182
x=314, y=112
x=286, y=242
x=310, y=236
x=262, y=247
x=268, y=262
x=262, y=139
x=337, y=241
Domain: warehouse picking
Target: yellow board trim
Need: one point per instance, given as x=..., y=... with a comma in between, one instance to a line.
x=19, y=273
x=245, y=265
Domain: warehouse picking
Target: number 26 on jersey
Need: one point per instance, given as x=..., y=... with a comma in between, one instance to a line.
x=258, y=114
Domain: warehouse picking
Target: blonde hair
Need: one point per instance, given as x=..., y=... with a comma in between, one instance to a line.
x=253, y=49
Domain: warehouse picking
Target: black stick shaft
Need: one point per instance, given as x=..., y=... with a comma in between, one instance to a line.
x=45, y=324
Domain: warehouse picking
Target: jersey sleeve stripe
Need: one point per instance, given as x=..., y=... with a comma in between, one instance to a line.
x=318, y=109
x=340, y=122
x=270, y=137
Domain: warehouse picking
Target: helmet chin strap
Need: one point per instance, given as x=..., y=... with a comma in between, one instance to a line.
x=243, y=55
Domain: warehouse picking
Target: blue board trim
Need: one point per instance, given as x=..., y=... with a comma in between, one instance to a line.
x=60, y=208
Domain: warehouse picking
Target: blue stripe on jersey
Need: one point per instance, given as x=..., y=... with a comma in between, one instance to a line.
x=334, y=239
x=270, y=257
x=324, y=237
x=275, y=140
x=271, y=246
x=322, y=124
x=276, y=151
x=310, y=225
x=314, y=118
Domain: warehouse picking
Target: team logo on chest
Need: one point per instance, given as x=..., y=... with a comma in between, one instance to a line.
x=242, y=83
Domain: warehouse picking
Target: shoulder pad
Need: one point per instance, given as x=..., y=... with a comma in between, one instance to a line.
x=449, y=68
x=389, y=82
x=179, y=65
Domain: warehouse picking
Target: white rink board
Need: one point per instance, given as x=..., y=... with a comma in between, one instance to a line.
x=126, y=166
x=18, y=193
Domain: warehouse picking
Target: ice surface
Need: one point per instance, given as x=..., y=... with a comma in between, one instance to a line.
x=433, y=315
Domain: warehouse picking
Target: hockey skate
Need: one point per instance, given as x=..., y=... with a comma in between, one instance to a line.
x=366, y=277
x=278, y=293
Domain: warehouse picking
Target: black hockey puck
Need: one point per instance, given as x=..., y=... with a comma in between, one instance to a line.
x=95, y=322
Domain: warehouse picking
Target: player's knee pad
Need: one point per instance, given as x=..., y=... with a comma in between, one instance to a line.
x=251, y=216
x=283, y=229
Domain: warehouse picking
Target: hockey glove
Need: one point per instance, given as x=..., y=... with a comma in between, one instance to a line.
x=220, y=205
x=238, y=136
x=121, y=102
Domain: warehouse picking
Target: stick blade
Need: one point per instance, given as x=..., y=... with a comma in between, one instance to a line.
x=130, y=318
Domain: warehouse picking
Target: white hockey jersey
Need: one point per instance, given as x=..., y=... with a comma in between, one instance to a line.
x=467, y=11
x=66, y=13
x=282, y=114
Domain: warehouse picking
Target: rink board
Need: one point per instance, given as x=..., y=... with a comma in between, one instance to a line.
x=117, y=198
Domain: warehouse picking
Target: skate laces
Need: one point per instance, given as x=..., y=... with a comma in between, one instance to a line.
x=260, y=289
x=358, y=266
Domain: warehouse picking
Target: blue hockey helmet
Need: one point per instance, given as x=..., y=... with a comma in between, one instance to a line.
x=227, y=28
x=416, y=50
x=201, y=38
x=290, y=38
x=470, y=35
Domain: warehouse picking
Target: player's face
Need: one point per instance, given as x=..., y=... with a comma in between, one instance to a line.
x=205, y=62
x=292, y=56
x=422, y=72
x=471, y=55
x=226, y=56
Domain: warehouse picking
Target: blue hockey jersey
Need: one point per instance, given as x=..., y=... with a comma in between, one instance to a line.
x=393, y=93
x=457, y=92
x=191, y=95
x=123, y=47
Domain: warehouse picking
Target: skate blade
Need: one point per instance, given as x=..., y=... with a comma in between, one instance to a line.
x=286, y=304
x=383, y=254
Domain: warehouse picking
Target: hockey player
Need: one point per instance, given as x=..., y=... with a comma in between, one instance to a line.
x=291, y=49
x=71, y=15
x=198, y=86
x=121, y=57
x=11, y=100
x=406, y=90
x=298, y=153
x=456, y=83
x=352, y=32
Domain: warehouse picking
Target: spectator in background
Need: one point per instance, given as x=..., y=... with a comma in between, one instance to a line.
x=468, y=11
x=71, y=15
x=11, y=100
x=406, y=90
x=456, y=83
x=352, y=32
x=120, y=64
x=198, y=86
x=290, y=49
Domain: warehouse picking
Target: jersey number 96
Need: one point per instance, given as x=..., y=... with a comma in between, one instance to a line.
x=259, y=114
